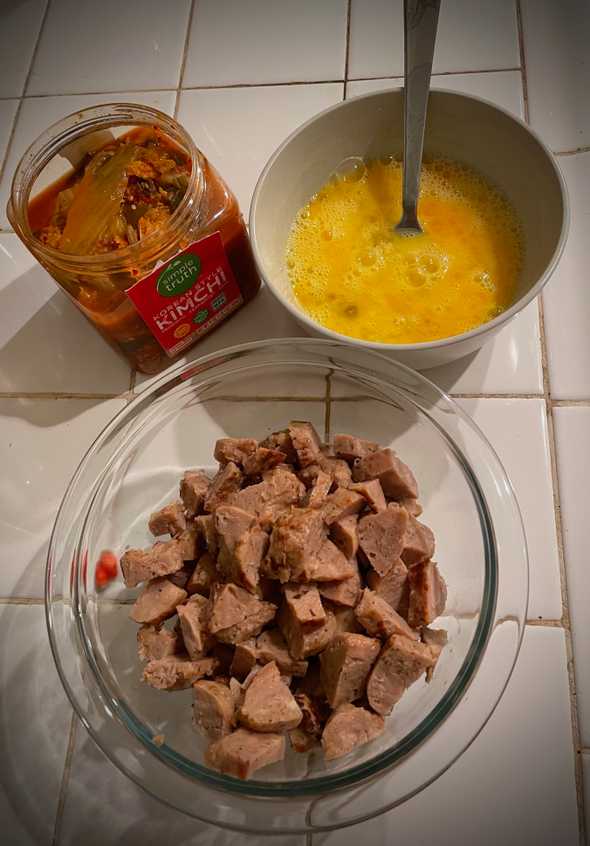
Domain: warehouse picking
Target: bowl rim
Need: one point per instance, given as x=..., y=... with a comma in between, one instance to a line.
x=441, y=343
x=178, y=375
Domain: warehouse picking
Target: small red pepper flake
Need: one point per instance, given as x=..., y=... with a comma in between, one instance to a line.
x=106, y=569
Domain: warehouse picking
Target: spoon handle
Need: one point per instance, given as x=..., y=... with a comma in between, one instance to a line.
x=420, y=23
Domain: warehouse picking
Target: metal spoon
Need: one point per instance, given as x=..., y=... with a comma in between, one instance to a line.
x=420, y=22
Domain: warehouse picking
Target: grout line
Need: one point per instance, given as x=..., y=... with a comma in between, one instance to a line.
x=347, y=48
x=154, y=89
x=184, y=55
x=566, y=403
x=566, y=620
x=65, y=780
x=21, y=600
x=585, y=149
x=328, y=407
x=56, y=395
x=132, y=379
x=495, y=396
x=551, y=624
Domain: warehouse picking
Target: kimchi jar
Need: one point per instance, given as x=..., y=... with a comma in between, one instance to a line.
x=133, y=222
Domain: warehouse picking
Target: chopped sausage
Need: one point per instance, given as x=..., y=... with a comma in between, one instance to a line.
x=319, y=490
x=345, y=664
x=381, y=537
x=304, y=603
x=304, y=641
x=269, y=705
x=345, y=535
x=372, y=492
x=300, y=740
x=243, y=544
x=436, y=639
x=225, y=483
x=278, y=489
x=348, y=728
x=155, y=642
x=243, y=752
x=244, y=659
x=418, y=543
x=428, y=594
x=337, y=468
x=281, y=441
x=237, y=615
x=213, y=709
x=181, y=577
x=157, y=601
x=189, y=543
x=306, y=442
x=234, y=449
x=193, y=625
x=262, y=460
x=139, y=565
x=169, y=520
x=193, y=490
x=329, y=565
x=205, y=524
x=296, y=538
x=397, y=480
x=177, y=672
x=346, y=620
x=351, y=448
x=411, y=505
x=203, y=576
x=342, y=503
x=379, y=619
x=401, y=662
x=344, y=592
x=394, y=587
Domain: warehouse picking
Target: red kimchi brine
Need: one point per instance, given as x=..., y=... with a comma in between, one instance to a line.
x=138, y=228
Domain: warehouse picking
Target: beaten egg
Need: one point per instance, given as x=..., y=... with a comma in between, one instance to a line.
x=351, y=272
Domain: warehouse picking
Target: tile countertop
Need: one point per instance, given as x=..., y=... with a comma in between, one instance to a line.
x=215, y=63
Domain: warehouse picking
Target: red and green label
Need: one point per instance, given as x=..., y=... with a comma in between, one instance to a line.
x=183, y=299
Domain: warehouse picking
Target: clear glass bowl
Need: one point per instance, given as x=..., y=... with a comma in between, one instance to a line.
x=135, y=464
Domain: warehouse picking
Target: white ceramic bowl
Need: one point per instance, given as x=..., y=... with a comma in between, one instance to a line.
x=460, y=127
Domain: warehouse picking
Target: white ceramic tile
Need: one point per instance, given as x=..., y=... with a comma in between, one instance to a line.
x=503, y=88
x=34, y=727
x=38, y=113
x=19, y=29
x=572, y=427
x=41, y=443
x=558, y=71
x=239, y=128
x=104, y=807
x=514, y=785
x=111, y=46
x=7, y=113
x=46, y=345
x=566, y=299
x=517, y=429
x=586, y=776
x=254, y=41
x=480, y=36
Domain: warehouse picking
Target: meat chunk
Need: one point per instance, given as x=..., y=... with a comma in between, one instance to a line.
x=269, y=705
x=139, y=565
x=397, y=480
x=428, y=594
x=271, y=646
x=401, y=662
x=157, y=601
x=243, y=752
x=304, y=603
x=244, y=658
x=193, y=625
x=411, y=505
x=243, y=544
x=177, y=672
x=193, y=490
x=262, y=460
x=394, y=587
x=436, y=639
x=346, y=620
x=226, y=482
x=155, y=642
x=296, y=539
x=418, y=543
x=300, y=740
x=279, y=489
x=319, y=490
x=203, y=576
x=281, y=441
x=205, y=524
x=169, y=520
x=345, y=664
x=381, y=537
x=344, y=534
x=213, y=709
x=231, y=524
x=329, y=565
x=304, y=641
x=236, y=615
x=348, y=728
x=181, y=577
x=189, y=543
x=351, y=448
x=337, y=468
x=344, y=592
x=379, y=619
x=235, y=450
x=306, y=442
x=342, y=503
x=372, y=492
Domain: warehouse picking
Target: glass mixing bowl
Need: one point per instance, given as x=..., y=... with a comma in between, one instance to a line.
x=135, y=465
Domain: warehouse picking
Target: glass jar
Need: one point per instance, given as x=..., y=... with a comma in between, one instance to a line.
x=147, y=314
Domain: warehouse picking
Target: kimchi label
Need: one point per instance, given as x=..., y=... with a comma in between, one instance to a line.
x=185, y=297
